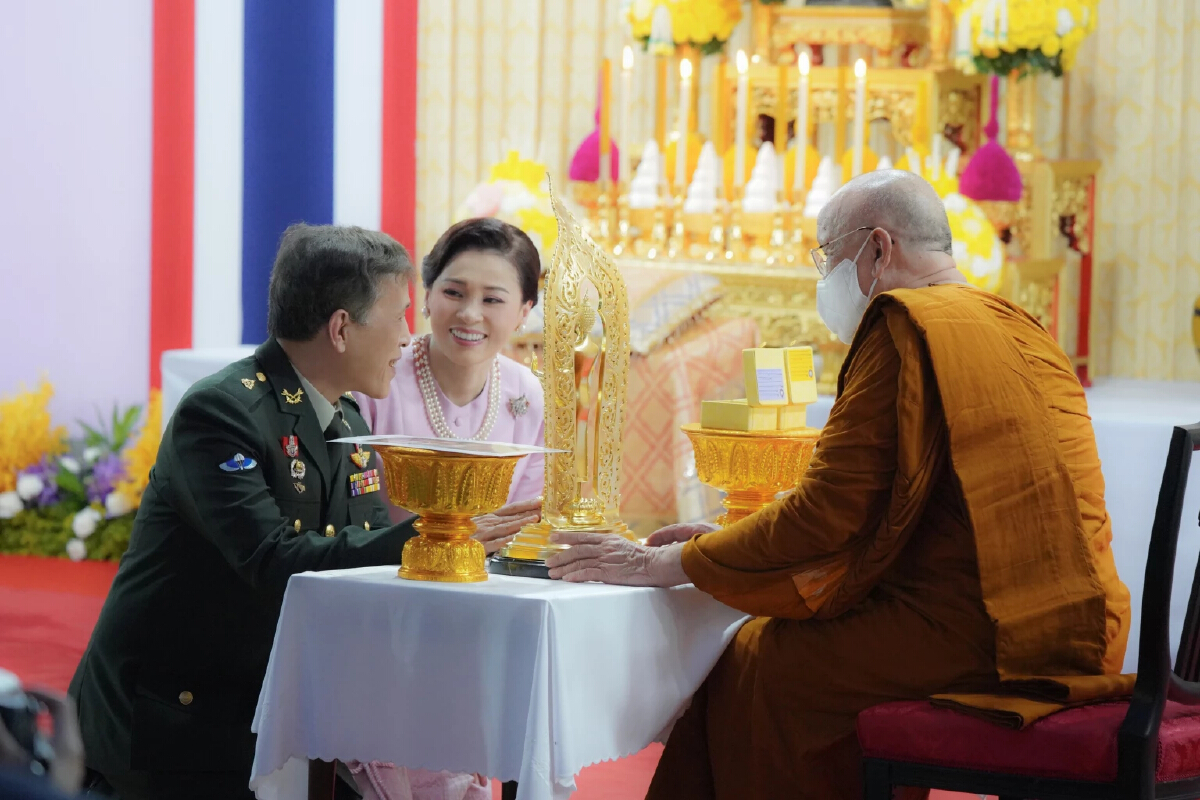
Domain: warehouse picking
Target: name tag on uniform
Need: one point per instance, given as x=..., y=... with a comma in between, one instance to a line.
x=364, y=482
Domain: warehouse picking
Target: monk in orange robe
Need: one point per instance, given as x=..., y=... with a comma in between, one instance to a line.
x=949, y=538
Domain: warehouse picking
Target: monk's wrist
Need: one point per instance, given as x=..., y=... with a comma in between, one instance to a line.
x=666, y=565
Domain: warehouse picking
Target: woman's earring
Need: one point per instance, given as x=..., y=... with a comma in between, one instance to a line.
x=425, y=312
x=521, y=329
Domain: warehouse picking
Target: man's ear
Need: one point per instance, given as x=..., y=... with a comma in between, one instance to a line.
x=336, y=329
x=883, y=244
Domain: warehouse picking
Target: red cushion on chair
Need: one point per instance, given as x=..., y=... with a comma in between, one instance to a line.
x=1076, y=744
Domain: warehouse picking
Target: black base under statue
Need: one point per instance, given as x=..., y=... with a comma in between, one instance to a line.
x=517, y=567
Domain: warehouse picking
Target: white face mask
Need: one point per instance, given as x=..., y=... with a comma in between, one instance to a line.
x=840, y=301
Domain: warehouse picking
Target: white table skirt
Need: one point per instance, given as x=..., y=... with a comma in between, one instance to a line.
x=514, y=678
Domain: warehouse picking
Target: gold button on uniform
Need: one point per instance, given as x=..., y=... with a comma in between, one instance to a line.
x=297, y=526
x=329, y=531
x=366, y=526
x=185, y=698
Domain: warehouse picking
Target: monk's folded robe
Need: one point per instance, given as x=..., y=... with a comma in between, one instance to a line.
x=949, y=536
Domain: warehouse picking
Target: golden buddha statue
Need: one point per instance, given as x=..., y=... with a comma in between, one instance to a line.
x=584, y=371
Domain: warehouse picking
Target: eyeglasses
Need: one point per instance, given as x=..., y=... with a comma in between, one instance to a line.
x=820, y=254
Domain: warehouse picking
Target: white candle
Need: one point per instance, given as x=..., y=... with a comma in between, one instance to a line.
x=685, y=102
x=987, y=25
x=860, y=111
x=743, y=96
x=1003, y=35
x=962, y=47
x=936, y=167
x=626, y=112
x=802, y=127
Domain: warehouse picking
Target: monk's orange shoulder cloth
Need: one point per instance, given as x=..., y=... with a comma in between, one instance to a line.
x=1038, y=581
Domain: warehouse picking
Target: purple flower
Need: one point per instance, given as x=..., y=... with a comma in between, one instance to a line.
x=107, y=471
x=47, y=472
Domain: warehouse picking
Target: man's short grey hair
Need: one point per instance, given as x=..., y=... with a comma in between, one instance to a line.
x=901, y=202
x=320, y=269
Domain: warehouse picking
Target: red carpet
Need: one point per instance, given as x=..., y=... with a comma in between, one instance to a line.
x=48, y=607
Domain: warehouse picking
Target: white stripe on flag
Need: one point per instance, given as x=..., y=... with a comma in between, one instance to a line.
x=357, y=112
x=217, y=217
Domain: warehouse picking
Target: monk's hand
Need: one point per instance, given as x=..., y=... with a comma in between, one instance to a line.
x=681, y=532
x=497, y=529
x=608, y=558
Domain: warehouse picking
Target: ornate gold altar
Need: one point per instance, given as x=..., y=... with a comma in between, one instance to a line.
x=915, y=95
x=445, y=490
x=584, y=370
x=752, y=467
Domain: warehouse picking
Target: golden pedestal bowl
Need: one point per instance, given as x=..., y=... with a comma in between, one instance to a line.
x=446, y=490
x=751, y=467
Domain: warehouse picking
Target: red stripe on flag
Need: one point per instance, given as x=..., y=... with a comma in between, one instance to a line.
x=398, y=209
x=172, y=181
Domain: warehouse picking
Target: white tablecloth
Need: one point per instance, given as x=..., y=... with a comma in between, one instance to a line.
x=514, y=678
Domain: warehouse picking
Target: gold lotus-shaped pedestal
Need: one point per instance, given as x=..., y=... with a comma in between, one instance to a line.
x=750, y=467
x=446, y=490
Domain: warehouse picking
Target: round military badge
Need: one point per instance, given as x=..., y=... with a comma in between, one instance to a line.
x=298, y=469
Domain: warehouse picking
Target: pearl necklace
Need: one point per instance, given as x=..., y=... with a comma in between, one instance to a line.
x=433, y=406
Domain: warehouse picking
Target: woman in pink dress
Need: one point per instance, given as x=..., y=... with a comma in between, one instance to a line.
x=481, y=280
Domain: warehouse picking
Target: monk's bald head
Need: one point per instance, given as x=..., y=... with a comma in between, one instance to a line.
x=900, y=202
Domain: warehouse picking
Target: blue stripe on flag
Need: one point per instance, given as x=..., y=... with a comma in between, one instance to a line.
x=288, y=158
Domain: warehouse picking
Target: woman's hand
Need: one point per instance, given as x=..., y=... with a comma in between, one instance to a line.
x=498, y=529
x=681, y=532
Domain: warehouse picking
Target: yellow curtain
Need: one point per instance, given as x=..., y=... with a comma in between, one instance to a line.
x=1134, y=103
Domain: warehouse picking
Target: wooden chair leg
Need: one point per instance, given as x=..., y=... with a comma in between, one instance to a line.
x=877, y=780
x=508, y=790
x=321, y=777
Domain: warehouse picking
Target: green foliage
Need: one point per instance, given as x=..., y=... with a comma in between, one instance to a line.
x=1026, y=62
x=46, y=531
x=114, y=436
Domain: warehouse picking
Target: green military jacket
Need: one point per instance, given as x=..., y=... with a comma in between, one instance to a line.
x=234, y=507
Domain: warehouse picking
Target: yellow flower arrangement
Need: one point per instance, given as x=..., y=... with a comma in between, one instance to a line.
x=26, y=436
x=139, y=457
x=513, y=193
x=1042, y=35
x=707, y=24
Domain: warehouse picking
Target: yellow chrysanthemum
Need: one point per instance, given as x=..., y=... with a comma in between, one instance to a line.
x=1055, y=27
x=514, y=168
x=692, y=21
x=978, y=251
x=139, y=457
x=26, y=435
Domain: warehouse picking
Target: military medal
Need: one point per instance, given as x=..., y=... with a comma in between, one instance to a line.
x=239, y=463
x=248, y=383
x=360, y=457
x=293, y=398
x=364, y=482
x=298, y=469
x=300, y=487
x=291, y=446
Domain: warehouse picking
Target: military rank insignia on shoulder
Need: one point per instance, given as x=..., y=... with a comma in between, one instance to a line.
x=239, y=463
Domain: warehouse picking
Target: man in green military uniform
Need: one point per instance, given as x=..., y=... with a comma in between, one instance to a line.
x=248, y=490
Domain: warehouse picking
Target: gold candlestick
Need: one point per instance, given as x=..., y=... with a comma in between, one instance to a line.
x=736, y=250
x=677, y=246
x=625, y=237
x=777, y=241
x=716, y=235
x=658, y=234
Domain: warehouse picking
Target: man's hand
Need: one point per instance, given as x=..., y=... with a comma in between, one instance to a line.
x=608, y=558
x=681, y=532
x=496, y=530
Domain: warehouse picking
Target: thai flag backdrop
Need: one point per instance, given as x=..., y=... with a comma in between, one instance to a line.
x=269, y=112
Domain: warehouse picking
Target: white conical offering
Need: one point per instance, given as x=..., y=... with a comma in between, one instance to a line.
x=702, y=193
x=829, y=178
x=885, y=163
x=643, y=190
x=761, y=189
